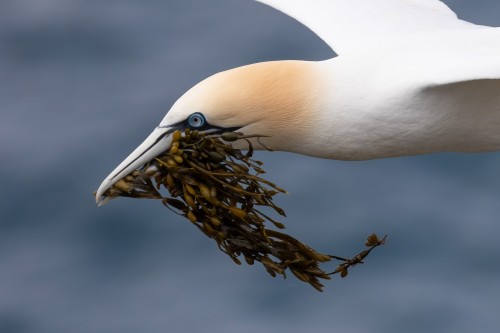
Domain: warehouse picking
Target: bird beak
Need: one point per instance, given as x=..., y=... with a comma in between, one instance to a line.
x=156, y=143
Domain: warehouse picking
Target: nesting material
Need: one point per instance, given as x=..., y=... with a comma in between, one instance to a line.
x=221, y=191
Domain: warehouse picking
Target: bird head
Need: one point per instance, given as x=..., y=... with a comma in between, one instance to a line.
x=273, y=99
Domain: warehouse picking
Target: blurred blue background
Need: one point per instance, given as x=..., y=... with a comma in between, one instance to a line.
x=83, y=82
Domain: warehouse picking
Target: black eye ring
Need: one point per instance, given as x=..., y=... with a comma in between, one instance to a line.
x=196, y=120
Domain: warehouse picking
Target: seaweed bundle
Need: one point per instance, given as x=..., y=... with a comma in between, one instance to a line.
x=221, y=190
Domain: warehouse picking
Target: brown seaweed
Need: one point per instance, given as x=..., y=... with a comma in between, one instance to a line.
x=220, y=189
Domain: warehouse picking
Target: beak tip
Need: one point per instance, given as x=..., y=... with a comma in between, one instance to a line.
x=102, y=201
x=100, y=198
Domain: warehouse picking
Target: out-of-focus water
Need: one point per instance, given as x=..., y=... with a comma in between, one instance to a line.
x=82, y=82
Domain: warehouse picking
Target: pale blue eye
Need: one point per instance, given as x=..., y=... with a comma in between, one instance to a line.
x=196, y=120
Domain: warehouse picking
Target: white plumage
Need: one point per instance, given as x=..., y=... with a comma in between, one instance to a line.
x=410, y=78
x=350, y=25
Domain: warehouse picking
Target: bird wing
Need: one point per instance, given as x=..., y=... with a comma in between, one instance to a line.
x=431, y=44
x=348, y=25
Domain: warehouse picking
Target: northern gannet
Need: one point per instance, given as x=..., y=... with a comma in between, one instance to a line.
x=410, y=78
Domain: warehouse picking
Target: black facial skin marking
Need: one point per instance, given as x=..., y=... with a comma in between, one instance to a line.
x=206, y=127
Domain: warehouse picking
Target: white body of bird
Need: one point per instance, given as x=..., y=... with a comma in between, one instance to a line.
x=410, y=78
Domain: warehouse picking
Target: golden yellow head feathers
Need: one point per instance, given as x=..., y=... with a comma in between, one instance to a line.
x=270, y=98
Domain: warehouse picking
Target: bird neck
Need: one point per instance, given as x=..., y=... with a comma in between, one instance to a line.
x=350, y=116
x=384, y=114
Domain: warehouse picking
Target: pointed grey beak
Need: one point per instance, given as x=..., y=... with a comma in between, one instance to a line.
x=156, y=143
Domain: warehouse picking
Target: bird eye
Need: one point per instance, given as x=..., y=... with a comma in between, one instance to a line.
x=196, y=120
